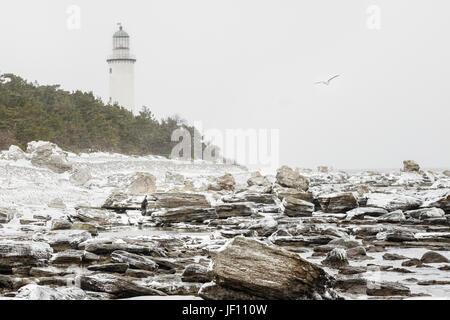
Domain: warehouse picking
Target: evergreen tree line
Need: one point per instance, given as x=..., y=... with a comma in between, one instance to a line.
x=79, y=121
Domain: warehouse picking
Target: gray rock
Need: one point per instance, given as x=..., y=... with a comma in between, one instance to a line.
x=15, y=153
x=15, y=254
x=386, y=288
x=336, y=258
x=7, y=214
x=338, y=202
x=38, y=292
x=184, y=214
x=425, y=213
x=143, y=183
x=60, y=224
x=286, y=177
x=109, y=267
x=410, y=166
x=394, y=256
x=114, y=285
x=67, y=257
x=212, y=291
x=433, y=257
x=225, y=182
x=134, y=261
x=392, y=202
x=297, y=208
x=236, y=209
x=361, y=213
x=258, y=180
x=195, y=273
x=396, y=216
x=48, y=155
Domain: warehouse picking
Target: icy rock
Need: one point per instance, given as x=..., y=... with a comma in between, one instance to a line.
x=15, y=153
x=440, y=201
x=225, y=182
x=336, y=258
x=410, y=166
x=134, y=261
x=392, y=202
x=48, y=155
x=395, y=216
x=38, y=292
x=426, y=213
x=265, y=227
x=297, y=208
x=57, y=204
x=195, y=273
x=96, y=216
x=338, y=202
x=80, y=176
x=7, y=214
x=143, y=183
x=257, y=269
x=60, y=224
x=400, y=236
x=20, y=253
x=114, y=285
x=362, y=212
x=258, y=180
x=286, y=177
x=174, y=178
x=68, y=257
x=446, y=173
x=176, y=200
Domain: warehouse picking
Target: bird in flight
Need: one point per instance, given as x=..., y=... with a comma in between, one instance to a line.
x=327, y=83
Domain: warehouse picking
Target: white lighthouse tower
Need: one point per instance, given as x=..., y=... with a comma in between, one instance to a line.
x=121, y=71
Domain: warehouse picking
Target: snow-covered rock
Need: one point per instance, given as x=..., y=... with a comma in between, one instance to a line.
x=48, y=155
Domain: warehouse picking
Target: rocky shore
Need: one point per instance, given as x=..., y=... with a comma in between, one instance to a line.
x=108, y=226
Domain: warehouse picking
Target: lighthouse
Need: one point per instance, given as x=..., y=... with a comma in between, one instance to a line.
x=121, y=71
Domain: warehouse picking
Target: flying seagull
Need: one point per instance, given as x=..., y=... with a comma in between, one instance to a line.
x=327, y=83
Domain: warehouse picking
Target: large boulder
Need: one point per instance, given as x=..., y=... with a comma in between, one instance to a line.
x=286, y=177
x=338, y=202
x=257, y=269
x=294, y=207
x=114, y=285
x=48, y=155
x=225, y=182
x=410, y=166
x=143, y=183
x=15, y=254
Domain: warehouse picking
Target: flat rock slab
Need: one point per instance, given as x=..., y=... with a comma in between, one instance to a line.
x=268, y=272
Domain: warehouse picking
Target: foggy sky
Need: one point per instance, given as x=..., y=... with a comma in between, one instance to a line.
x=253, y=64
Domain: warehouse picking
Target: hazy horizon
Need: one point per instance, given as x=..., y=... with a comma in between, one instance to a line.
x=253, y=64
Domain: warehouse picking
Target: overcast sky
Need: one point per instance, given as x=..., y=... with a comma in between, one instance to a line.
x=253, y=64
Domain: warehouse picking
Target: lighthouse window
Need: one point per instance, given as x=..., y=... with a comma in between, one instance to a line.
x=110, y=70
